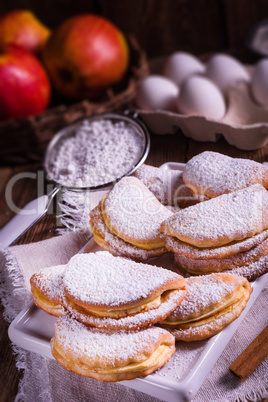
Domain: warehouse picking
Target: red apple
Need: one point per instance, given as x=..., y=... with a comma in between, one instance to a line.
x=84, y=55
x=22, y=28
x=24, y=84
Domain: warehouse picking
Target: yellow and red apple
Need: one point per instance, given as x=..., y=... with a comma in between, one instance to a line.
x=23, y=28
x=24, y=84
x=84, y=55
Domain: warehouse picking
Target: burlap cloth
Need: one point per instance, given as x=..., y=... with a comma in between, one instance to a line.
x=45, y=380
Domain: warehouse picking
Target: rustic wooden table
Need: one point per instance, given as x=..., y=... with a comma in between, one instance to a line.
x=164, y=148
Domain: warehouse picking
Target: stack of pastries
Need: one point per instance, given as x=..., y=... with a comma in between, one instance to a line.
x=107, y=307
x=118, y=316
x=127, y=220
x=229, y=231
x=119, y=319
x=206, y=175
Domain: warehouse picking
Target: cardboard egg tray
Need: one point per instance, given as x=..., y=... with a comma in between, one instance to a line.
x=245, y=124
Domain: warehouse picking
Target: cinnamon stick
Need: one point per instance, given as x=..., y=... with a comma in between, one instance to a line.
x=251, y=357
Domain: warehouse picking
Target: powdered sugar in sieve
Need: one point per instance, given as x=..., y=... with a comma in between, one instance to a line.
x=95, y=152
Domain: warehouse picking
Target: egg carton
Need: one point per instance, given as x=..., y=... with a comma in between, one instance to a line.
x=244, y=125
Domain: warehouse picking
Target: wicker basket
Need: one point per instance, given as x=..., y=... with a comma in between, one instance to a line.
x=24, y=141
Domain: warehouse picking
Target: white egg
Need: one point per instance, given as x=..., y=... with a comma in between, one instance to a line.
x=225, y=70
x=259, y=82
x=181, y=65
x=157, y=92
x=201, y=97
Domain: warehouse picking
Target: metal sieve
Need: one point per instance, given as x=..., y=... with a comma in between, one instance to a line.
x=37, y=208
x=71, y=129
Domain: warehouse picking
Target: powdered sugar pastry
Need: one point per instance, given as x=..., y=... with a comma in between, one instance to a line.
x=134, y=211
x=204, y=293
x=223, y=219
x=213, y=174
x=106, y=280
x=106, y=347
x=49, y=281
x=118, y=246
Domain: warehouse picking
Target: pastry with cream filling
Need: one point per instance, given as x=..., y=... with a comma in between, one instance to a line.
x=114, y=293
x=250, y=264
x=47, y=290
x=251, y=271
x=213, y=174
x=212, y=302
x=110, y=356
x=128, y=219
x=208, y=253
x=222, y=220
x=221, y=234
x=114, y=244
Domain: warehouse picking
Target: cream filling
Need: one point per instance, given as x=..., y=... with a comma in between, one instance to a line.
x=154, y=360
x=204, y=247
x=101, y=241
x=196, y=321
x=155, y=303
x=152, y=304
x=44, y=301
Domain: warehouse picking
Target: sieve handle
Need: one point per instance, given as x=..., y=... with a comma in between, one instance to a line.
x=26, y=218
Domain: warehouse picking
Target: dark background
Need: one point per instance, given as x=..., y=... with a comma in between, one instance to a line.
x=162, y=26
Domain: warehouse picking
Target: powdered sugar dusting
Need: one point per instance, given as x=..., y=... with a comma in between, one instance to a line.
x=181, y=248
x=118, y=246
x=202, y=293
x=104, y=280
x=134, y=211
x=105, y=348
x=132, y=322
x=221, y=264
x=214, y=174
x=163, y=183
x=49, y=281
x=210, y=328
x=98, y=153
x=182, y=361
x=252, y=271
x=222, y=219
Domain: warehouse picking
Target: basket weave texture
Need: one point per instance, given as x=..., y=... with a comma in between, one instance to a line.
x=24, y=141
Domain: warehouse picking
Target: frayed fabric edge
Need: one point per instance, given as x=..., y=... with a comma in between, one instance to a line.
x=255, y=396
x=12, y=283
x=39, y=376
x=74, y=210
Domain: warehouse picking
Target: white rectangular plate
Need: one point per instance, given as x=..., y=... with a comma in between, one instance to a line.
x=179, y=380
